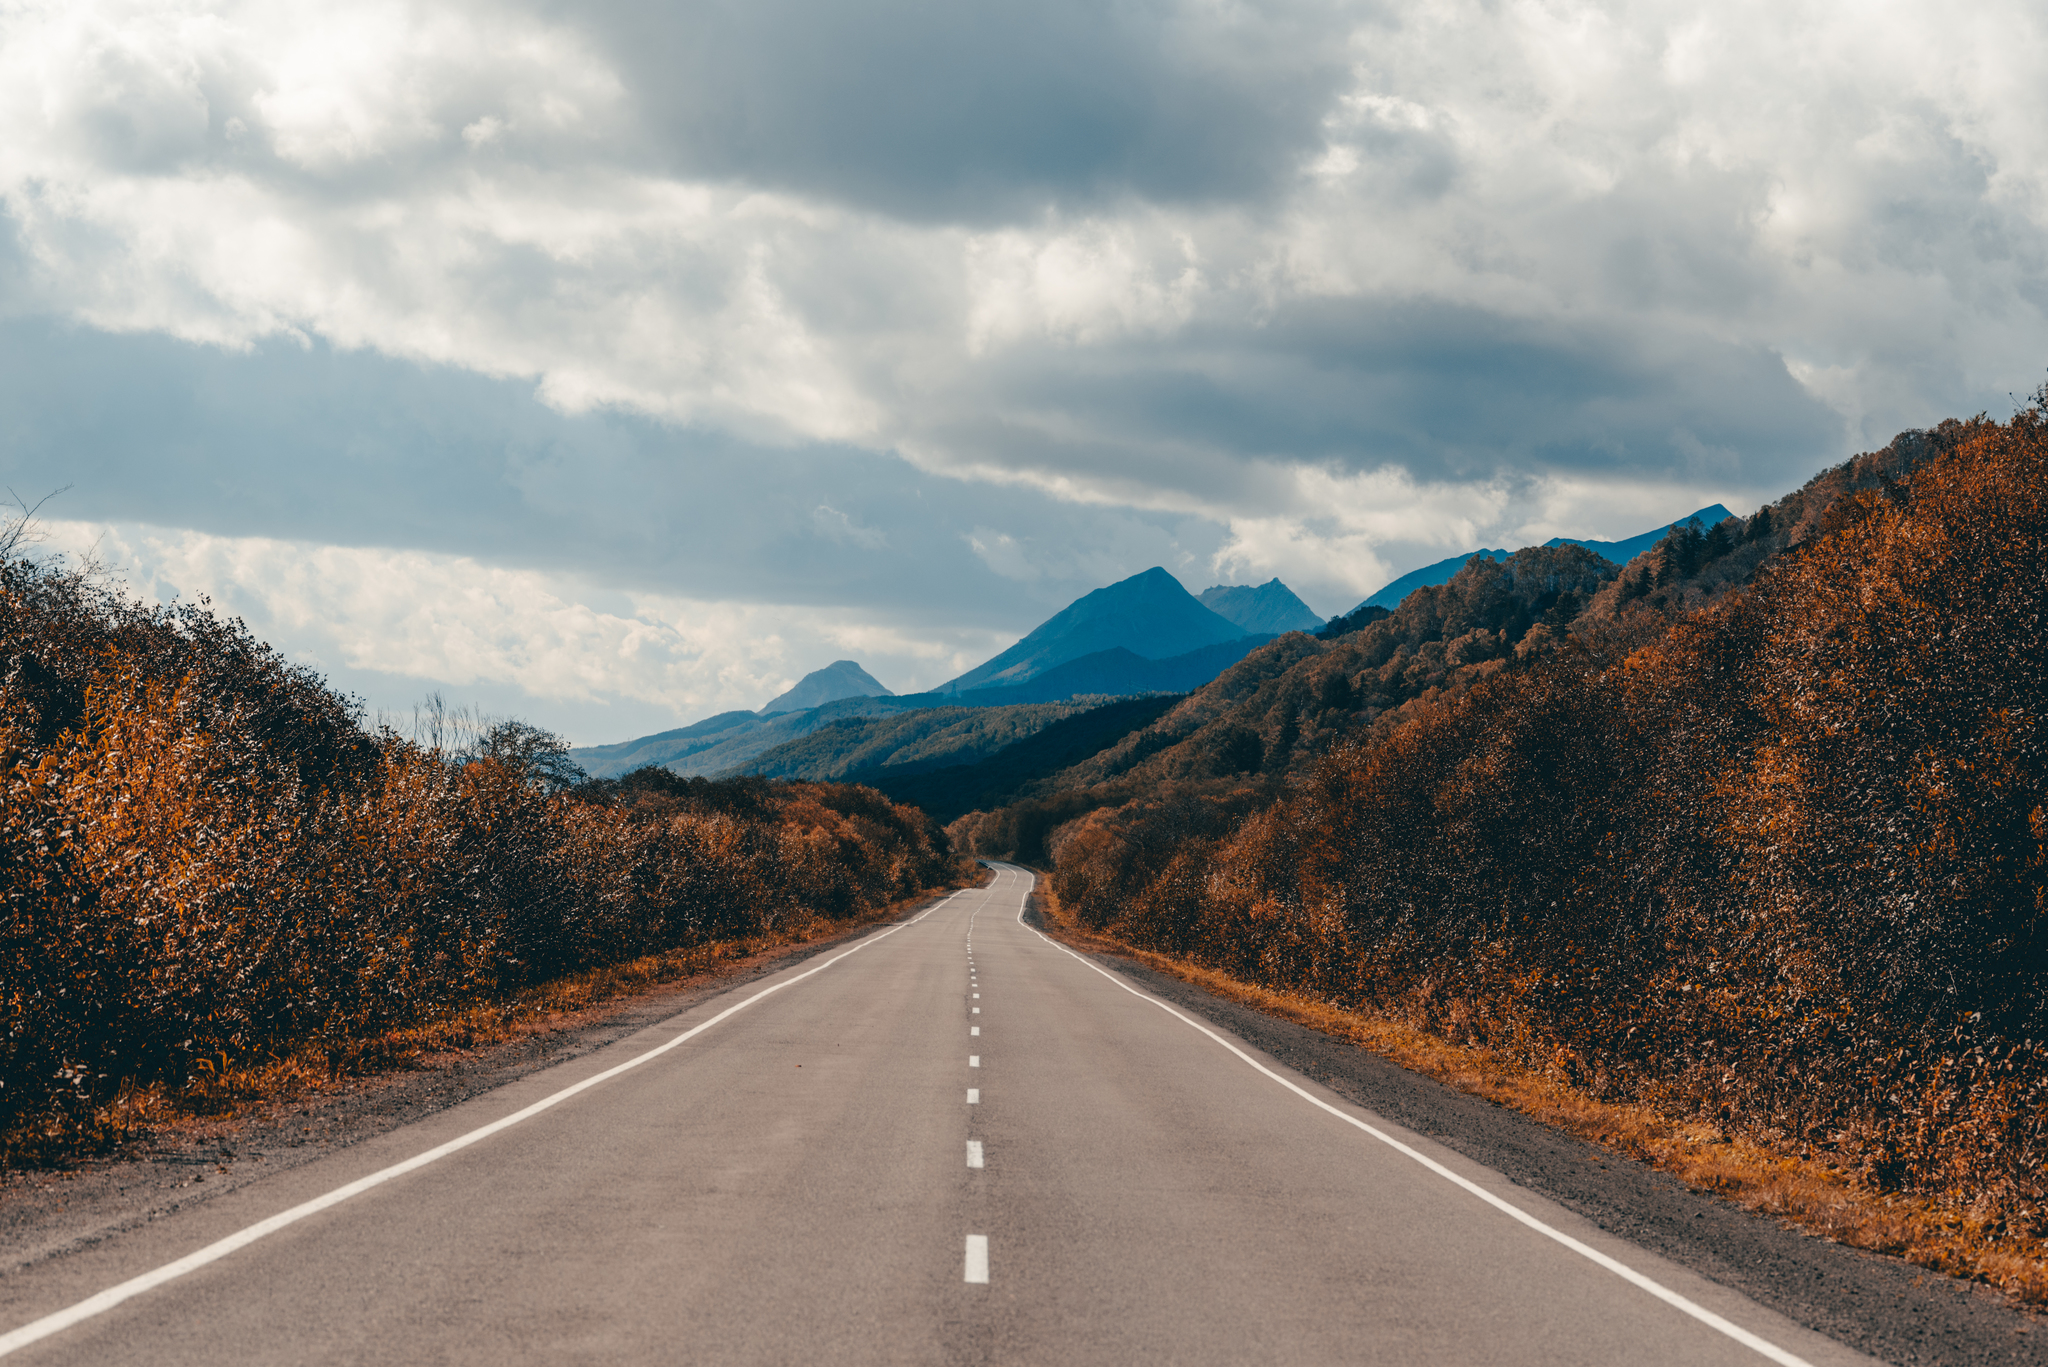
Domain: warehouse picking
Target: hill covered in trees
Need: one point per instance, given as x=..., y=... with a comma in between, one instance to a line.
x=1751, y=828
x=925, y=738
x=947, y=791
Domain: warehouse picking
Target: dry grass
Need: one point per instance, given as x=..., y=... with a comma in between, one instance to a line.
x=1806, y=1194
x=225, y=1092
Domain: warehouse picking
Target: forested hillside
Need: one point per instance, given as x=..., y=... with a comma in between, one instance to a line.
x=927, y=738
x=947, y=791
x=1232, y=745
x=208, y=859
x=1750, y=829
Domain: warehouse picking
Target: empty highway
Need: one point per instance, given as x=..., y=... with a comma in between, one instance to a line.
x=949, y=1141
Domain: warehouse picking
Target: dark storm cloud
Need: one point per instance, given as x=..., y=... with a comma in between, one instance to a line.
x=1326, y=290
x=1448, y=393
x=981, y=109
x=307, y=443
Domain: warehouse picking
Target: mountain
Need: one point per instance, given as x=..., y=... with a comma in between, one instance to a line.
x=742, y=742
x=724, y=742
x=1149, y=614
x=1271, y=609
x=1119, y=672
x=1146, y=634
x=840, y=679
x=609, y=761
x=1620, y=552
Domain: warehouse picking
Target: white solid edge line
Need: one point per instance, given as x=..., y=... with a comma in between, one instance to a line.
x=36, y=1330
x=1620, y=1269
x=977, y=1259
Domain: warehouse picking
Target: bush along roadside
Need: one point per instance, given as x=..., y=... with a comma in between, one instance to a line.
x=1808, y=1190
x=1778, y=868
x=210, y=864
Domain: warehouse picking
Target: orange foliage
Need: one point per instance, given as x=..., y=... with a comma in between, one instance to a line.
x=206, y=860
x=1777, y=861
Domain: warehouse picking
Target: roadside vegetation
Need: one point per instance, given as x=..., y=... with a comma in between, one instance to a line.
x=1748, y=835
x=213, y=868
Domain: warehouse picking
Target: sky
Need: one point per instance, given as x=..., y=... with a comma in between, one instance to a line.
x=616, y=364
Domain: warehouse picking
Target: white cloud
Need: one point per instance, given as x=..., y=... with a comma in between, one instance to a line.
x=1002, y=553
x=1521, y=263
x=412, y=616
x=1324, y=538
x=1790, y=177
x=836, y=526
x=1080, y=283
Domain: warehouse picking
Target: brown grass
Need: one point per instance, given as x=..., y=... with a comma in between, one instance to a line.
x=221, y=1094
x=1753, y=1174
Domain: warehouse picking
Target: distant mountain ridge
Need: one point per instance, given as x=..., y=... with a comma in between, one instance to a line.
x=1118, y=672
x=1143, y=635
x=1620, y=552
x=1271, y=609
x=609, y=761
x=727, y=742
x=1148, y=614
x=840, y=679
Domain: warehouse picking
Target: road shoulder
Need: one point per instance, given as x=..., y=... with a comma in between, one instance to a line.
x=46, y=1213
x=1879, y=1305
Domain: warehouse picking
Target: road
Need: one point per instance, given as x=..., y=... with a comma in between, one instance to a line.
x=953, y=1141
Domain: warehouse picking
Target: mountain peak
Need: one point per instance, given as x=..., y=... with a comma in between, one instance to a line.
x=1270, y=609
x=1148, y=614
x=840, y=679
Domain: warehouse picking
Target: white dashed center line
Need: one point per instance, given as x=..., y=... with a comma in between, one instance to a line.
x=977, y=996
x=974, y=1153
x=973, y=1029
x=974, y=1060
x=974, y=1096
x=977, y=1010
x=977, y=1259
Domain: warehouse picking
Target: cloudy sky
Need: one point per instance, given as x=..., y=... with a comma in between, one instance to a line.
x=617, y=363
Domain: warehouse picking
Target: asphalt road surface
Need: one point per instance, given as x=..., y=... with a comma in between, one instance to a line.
x=952, y=1141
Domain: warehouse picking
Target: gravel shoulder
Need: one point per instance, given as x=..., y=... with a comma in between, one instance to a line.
x=45, y=1214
